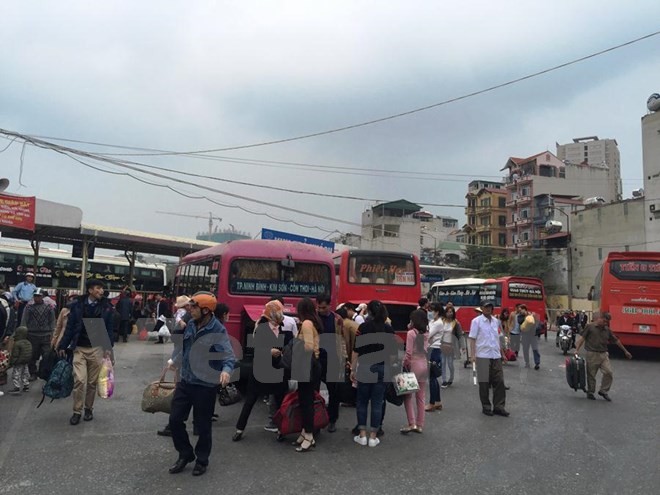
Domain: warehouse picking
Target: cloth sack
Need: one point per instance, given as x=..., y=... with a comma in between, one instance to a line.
x=157, y=397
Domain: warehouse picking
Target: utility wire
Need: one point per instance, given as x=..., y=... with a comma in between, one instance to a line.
x=416, y=110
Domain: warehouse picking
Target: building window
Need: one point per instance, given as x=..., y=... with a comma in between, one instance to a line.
x=502, y=239
x=562, y=173
x=501, y=220
x=472, y=220
x=600, y=254
x=485, y=202
x=524, y=213
x=627, y=248
x=501, y=202
x=525, y=191
x=485, y=221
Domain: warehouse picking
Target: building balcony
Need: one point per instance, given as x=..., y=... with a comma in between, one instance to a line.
x=524, y=199
x=519, y=245
x=484, y=228
x=513, y=183
x=511, y=202
x=521, y=222
x=484, y=210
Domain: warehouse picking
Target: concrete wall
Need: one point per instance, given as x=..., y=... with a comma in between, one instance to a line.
x=597, y=151
x=595, y=232
x=580, y=181
x=651, y=157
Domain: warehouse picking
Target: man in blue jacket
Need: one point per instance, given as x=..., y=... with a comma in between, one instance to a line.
x=206, y=360
x=89, y=330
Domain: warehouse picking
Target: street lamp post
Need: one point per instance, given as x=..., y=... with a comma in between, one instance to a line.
x=549, y=210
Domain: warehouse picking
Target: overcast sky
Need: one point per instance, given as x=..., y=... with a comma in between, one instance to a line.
x=207, y=75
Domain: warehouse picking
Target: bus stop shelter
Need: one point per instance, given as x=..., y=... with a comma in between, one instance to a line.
x=62, y=224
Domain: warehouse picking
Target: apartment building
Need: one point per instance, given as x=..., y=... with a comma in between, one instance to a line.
x=651, y=167
x=486, y=214
x=593, y=151
x=543, y=188
x=404, y=226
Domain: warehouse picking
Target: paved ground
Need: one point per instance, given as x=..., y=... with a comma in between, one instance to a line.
x=555, y=441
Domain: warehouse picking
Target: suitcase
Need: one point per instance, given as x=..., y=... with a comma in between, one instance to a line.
x=576, y=373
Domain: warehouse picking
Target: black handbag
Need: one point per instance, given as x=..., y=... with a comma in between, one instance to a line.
x=391, y=396
x=435, y=370
x=228, y=395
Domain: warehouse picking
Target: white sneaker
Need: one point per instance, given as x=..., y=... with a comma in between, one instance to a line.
x=373, y=442
x=360, y=440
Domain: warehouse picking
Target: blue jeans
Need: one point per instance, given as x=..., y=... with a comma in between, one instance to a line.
x=436, y=357
x=374, y=393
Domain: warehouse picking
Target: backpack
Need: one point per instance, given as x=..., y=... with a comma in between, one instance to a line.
x=60, y=382
x=46, y=365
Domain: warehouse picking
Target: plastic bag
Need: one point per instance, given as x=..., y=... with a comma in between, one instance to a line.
x=106, y=383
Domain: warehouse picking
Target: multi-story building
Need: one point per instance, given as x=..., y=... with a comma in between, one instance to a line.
x=593, y=151
x=540, y=188
x=404, y=226
x=486, y=214
x=598, y=231
x=651, y=159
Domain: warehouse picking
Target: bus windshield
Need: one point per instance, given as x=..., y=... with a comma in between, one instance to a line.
x=635, y=270
x=271, y=277
x=381, y=270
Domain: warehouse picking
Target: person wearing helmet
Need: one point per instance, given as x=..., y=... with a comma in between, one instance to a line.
x=204, y=335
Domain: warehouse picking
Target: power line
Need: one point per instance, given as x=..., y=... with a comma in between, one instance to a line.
x=416, y=110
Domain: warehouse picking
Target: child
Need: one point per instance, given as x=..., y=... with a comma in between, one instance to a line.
x=20, y=357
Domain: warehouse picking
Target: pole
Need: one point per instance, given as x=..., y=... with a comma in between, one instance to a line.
x=35, y=260
x=210, y=224
x=83, y=266
x=130, y=256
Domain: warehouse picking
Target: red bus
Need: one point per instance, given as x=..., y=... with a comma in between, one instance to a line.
x=628, y=287
x=245, y=274
x=467, y=293
x=391, y=277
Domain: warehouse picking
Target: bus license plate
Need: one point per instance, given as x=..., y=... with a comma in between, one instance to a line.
x=645, y=328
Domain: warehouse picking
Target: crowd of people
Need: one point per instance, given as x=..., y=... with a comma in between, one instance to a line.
x=352, y=350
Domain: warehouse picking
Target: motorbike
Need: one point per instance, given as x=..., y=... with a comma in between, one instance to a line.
x=565, y=338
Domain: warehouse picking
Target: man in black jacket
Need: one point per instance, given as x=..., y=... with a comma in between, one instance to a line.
x=87, y=345
x=125, y=309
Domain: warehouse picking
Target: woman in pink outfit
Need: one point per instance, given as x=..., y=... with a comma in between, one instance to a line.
x=416, y=360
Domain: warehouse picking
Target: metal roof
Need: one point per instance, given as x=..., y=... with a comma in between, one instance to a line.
x=62, y=224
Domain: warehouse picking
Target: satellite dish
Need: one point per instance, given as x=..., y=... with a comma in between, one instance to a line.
x=4, y=184
x=653, y=103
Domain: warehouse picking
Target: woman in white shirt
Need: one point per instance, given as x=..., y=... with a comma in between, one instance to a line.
x=435, y=354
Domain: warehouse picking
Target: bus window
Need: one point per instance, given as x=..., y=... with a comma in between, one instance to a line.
x=492, y=292
x=269, y=277
x=381, y=270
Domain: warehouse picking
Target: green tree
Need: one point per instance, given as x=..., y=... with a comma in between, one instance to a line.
x=496, y=267
x=531, y=265
x=476, y=257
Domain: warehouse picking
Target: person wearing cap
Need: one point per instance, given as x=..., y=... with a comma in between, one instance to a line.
x=39, y=318
x=125, y=309
x=200, y=375
x=89, y=335
x=351, y=309
x=487, y=354
x=23, y=293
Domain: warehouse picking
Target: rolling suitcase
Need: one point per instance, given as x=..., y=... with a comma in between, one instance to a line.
x=576, y=373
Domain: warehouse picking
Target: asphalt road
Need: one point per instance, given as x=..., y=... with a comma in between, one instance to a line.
x=556, y=441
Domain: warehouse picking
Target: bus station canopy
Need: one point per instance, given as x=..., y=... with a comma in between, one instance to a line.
x=62, y=224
